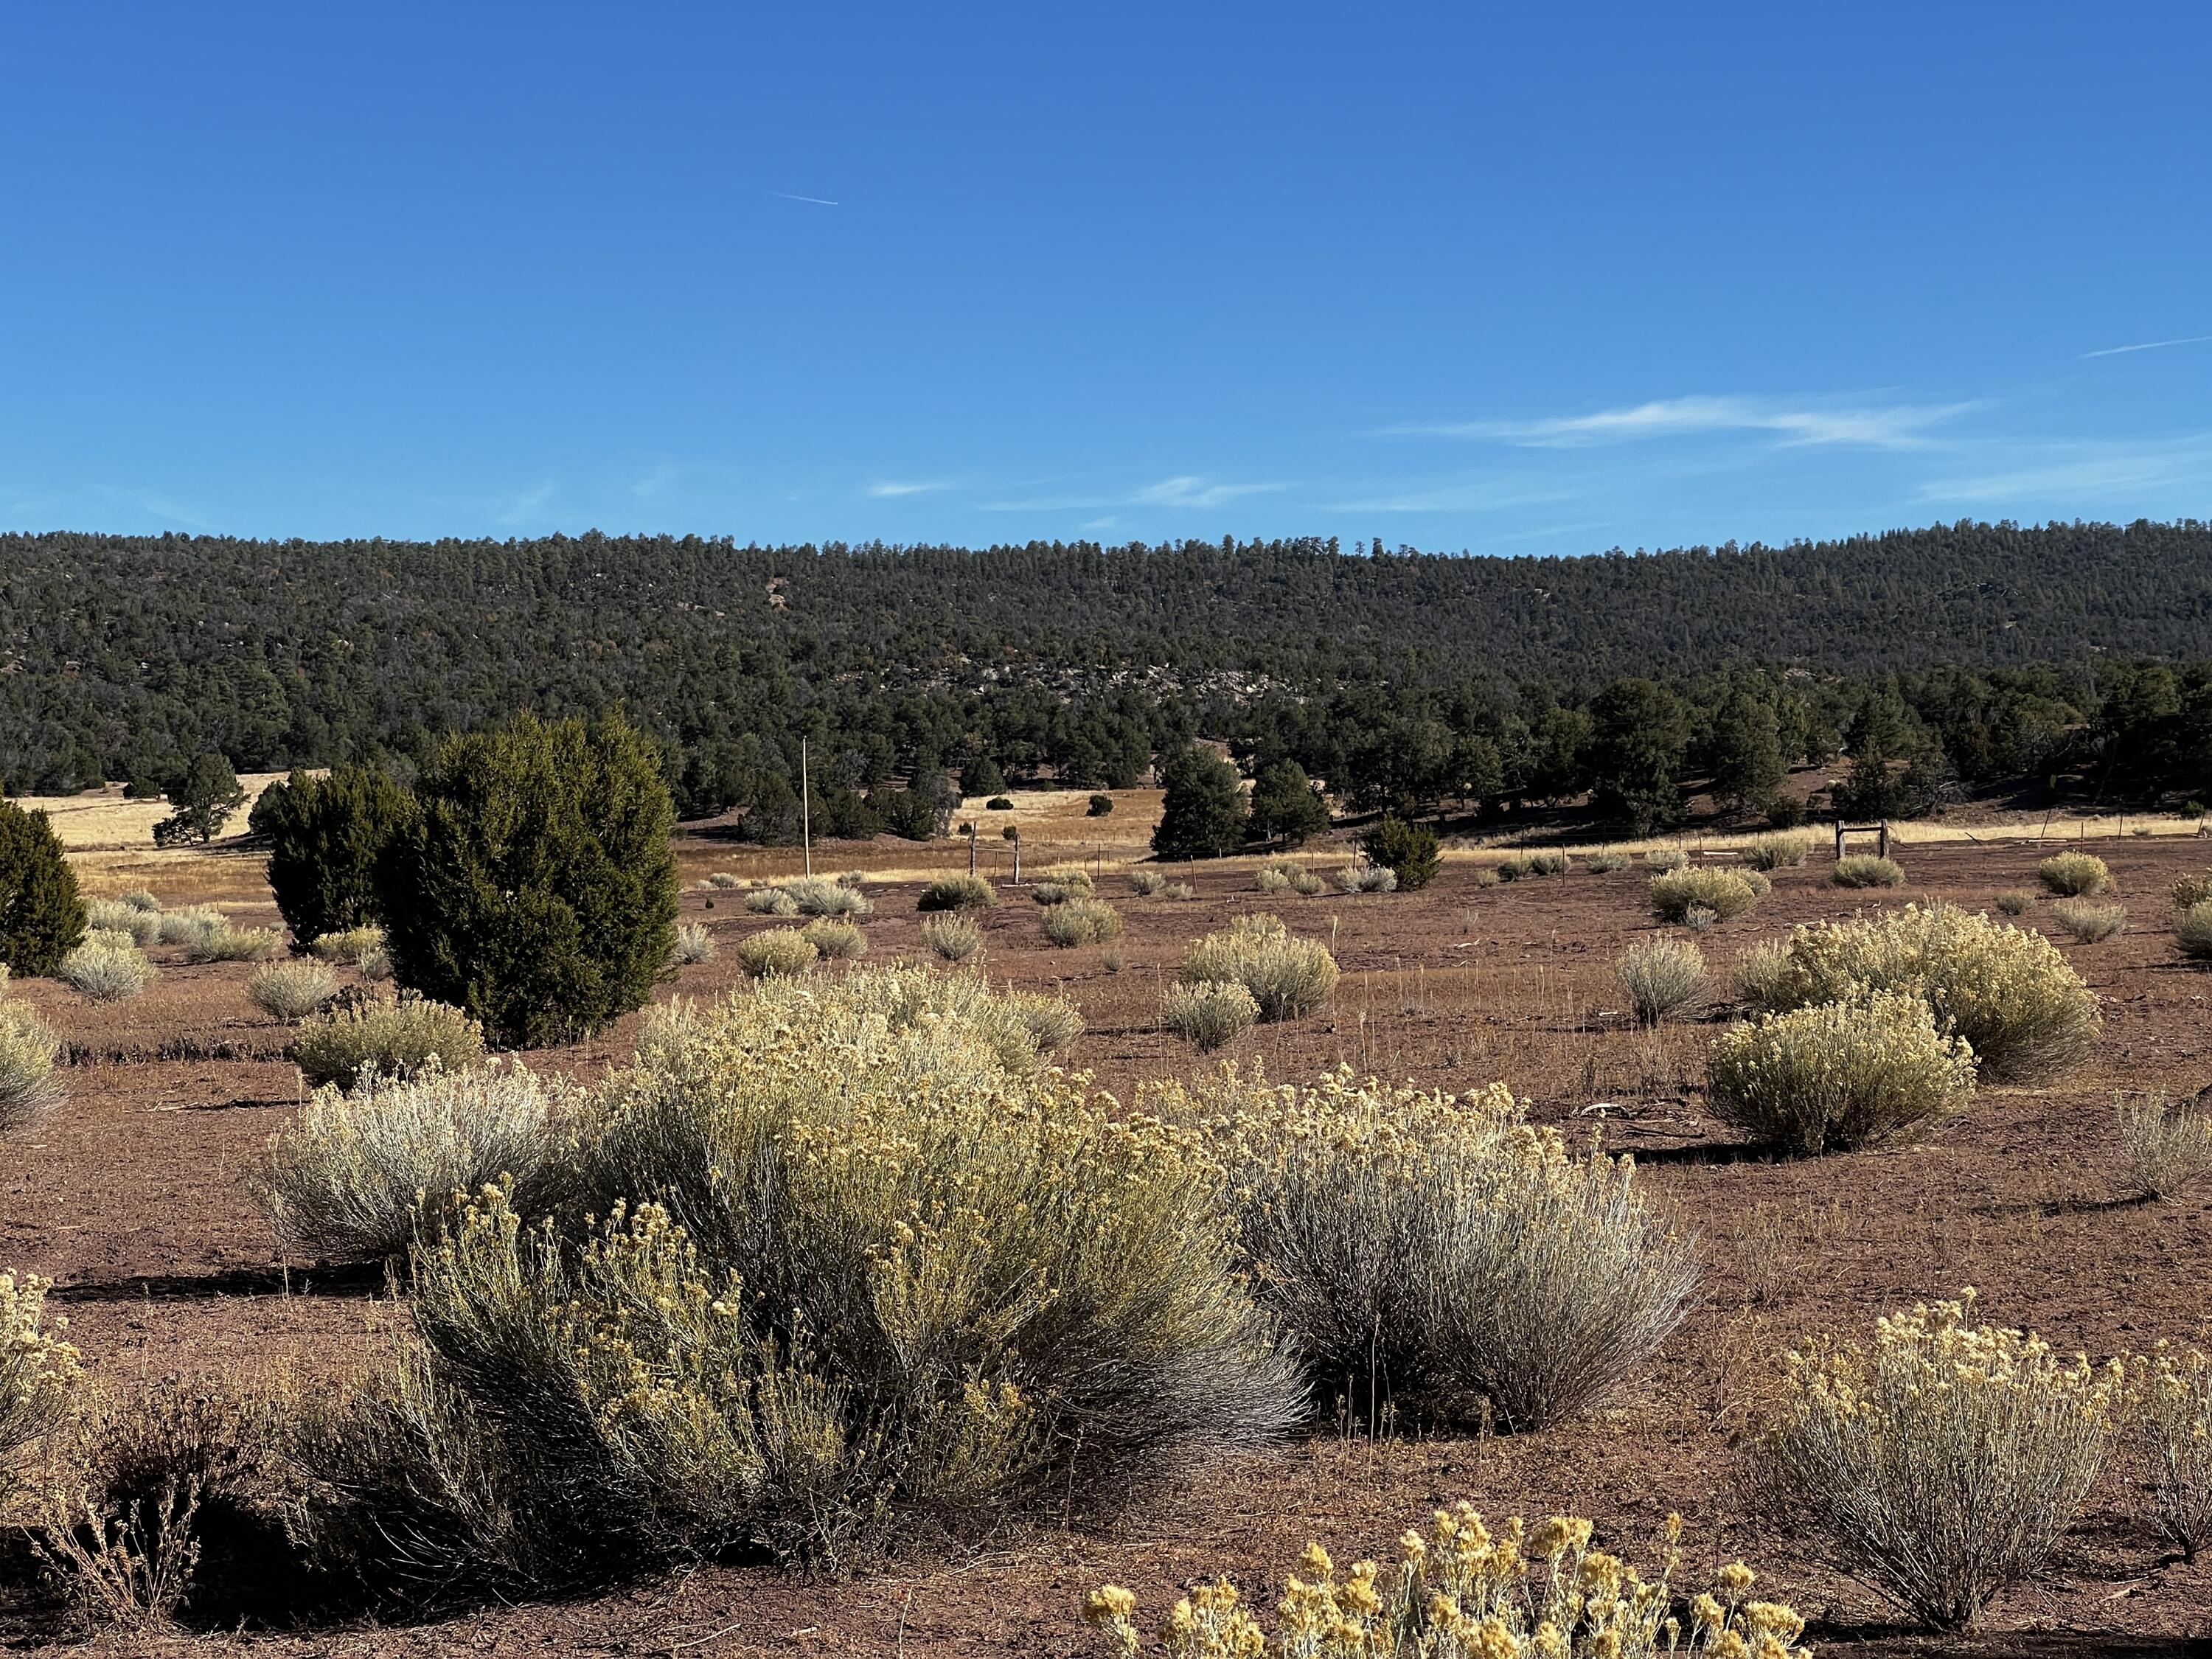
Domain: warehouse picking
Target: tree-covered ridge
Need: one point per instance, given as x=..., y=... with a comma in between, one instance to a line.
x=127, y=656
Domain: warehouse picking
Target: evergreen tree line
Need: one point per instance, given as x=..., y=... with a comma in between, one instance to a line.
x=1969, y=657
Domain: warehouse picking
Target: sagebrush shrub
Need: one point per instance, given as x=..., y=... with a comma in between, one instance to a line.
x=2192, y=891
x=1865, y=870
x=1726, y=893
x=2007, y=990
x=960, y=892
x=141, y=928
x=693, y=943
x=1837, y=1076
x=2074, y=875
x=1664, y=861
x=1082, y=921
x=834, y=938
x=352, y=946
x=180, y=927
x=1460, y=1592
x=1662, y=976
x=1604, y=864
x=1058, y=886
x=2091, y=924
x=395, y=1039
x=776, y=952
x=1550, y=863
x=1778, y=851
x=225, y=942
x=1146, y=883
x=1760, y=973
x=771, y=902
x=1367, y=879
x=723, y=879
x=2174, y=1418
x=359, y=1173
x=1288, y=978
x=1941, y=1463
x=951, y=936
x=2016, y=901
x=138, y=898
x=2167, y=1144
x=39, y=1372
x=41, y=913
x=1052, y=1022
x=1513, y=867
x=1440, y=1250
x=1275, y=875
x=819, y=896
x=1178, y=890
x=290, y=991
x=1483, y=875
x=28, y=1049
x=2192, y=930
x=1209, y=1013
x=106, y=972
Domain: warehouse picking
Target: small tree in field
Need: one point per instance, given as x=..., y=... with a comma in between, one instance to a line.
x=536, y=889
x=41, y=913
x=1203, y=814
x=1408, y=850
x=1286, y=806
x=326, y=839
x=204, y=798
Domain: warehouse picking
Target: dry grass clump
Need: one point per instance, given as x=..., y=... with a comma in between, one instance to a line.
x=228, y=944
x=692, y=944
x=2006, y=990
x=1865, y=870
x=886, y=1282
x=1209, y=1013
x=1784, y=852
x=2015, y=902
x=1082, y=921
x=1604, y=864
x=834, y=938
x=1483, y=875
x=1146, y=883
x=959, y=892
x=109, y=969
x=351, y=946
x=1288, y=978
x=776, y=953
x=39, y=1372
x=359, y=1173
x=1178, y=890
x=1727, y=893
x=2192, y=930
x=1549, y=864
x=2172, y=1400
x=1367, y=879
x=1941, y=1463
x=394, y=1039
x=142, y=927
x=1664, y=861
x=770, y=902
x=1462, y=1592
x=2074, y=875
x=1514, y=867
x=1662, y=976
x=2167, y=1143
x=1760, y=972
x=1837, y=1076
x=952, y=936
x=2090, y=924
x=28, y=1049
x=1440, y=1251
x=290, y=991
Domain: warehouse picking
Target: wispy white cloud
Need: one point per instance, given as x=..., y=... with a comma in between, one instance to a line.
x=1895, y=426
x=654, y=483
x=1190, y=490
x=518, y=509
x=1047, y=504
x=818, y=201
x=1457, y=495
x=2082, y=471
x=892, y=487
x=1106, y=523
x=2147, y=346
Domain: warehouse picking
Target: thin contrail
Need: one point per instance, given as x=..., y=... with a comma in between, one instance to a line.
x=2148, y=345
x=817, y=200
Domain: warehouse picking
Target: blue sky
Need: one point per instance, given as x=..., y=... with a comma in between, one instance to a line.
x=1518, y=280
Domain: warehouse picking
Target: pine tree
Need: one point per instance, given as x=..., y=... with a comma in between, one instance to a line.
x=536, y=888
x=1203, y=815
x=1639, y=731
x=1407, y=850
x=1747, y=751
x=1286, y=806
x=41, y=913
x=327, y=837
x=204, y=798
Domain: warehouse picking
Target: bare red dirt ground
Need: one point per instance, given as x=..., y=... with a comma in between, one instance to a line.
x=132, y=1196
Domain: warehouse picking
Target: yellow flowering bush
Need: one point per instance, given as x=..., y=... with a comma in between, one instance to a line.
x=386, y=1038
x=2007, y=991
x=2192, y=891
x=2074, y=875
x=39, y=1371
x=1210, y=1013
x=1840, y=1075
x=28, y=1049
x=2192, y=930
x=1077, y=920
x=1865, y=870
x=1785, y=851
x=1438, y=1247
x=834, y=939
x=777, y=953
x=1288, y=978
x=958, y=892
x=2174, y=1418
x=1461, y=1591
x=1942, y=1461
x=1727, y=893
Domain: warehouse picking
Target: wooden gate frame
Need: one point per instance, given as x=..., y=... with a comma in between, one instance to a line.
x=1880, y=831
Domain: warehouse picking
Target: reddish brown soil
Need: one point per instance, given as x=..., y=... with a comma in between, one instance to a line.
x=133, y=1197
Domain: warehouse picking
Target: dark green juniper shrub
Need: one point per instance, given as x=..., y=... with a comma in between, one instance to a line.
x=327, y=838
x=41, y=913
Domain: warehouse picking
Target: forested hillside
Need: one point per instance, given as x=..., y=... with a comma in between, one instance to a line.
x=1987, y=651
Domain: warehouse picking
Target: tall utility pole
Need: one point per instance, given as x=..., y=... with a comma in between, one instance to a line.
x=806, y=815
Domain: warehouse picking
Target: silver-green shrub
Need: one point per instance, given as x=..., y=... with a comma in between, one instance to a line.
x=1209, y=1013
x=1288, y=978
x=1838, y=1076
x=290, y=991
x=394, y=1039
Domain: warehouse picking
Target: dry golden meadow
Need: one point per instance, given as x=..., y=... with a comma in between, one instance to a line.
x=131, y=1197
